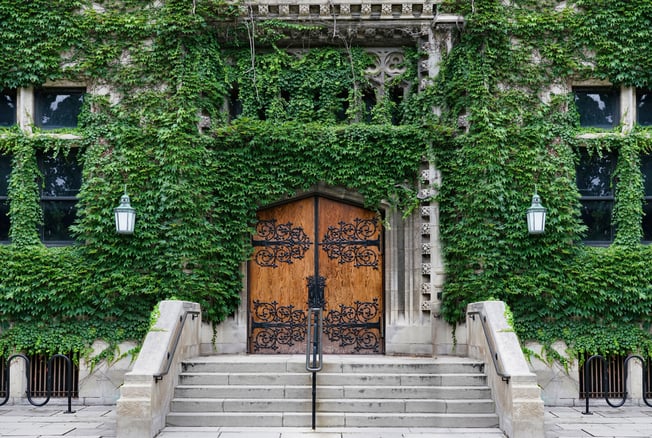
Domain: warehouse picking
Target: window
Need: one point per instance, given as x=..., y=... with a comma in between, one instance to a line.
x=5, y=172
x=57, y=107
x=594, y=182
x=59, y=188
x=644, y=107
x=646, y=170
x=598, y=107
x=7, y=108
x=235, y=104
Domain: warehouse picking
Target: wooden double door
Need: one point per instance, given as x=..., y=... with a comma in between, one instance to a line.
x=316, y=252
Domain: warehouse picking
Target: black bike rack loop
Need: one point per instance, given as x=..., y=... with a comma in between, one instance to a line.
x=605, y=381
x=28, y=391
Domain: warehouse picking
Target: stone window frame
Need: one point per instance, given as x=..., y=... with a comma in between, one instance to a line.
x=25, y=110
x=628, y=119
x=26, y=105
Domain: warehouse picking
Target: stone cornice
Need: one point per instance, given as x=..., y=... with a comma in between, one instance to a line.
x=349, y=10
x=343, y=9
x=379, y=23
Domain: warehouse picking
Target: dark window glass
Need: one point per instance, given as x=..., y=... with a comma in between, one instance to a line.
x=594, y=182
x=8, y=108
x=598, y=107
x=5, y=172
x=235, y=104
x=395, y=95
x=646, y=170
x=57, y=107
x=369, y=100
x=59, y=188
x=644, y=107
x=343, y=98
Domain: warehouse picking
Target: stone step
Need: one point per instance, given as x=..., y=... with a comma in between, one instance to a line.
x=332, y=392
x=333, y=364
x=435, y=406
x=352, y=391
x=327, y=379
x=329, y=419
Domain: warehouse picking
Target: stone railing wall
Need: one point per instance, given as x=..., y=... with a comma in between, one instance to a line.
x=145, y=400
x=514, y=386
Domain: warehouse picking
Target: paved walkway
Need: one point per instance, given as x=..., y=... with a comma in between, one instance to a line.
x=100, y=422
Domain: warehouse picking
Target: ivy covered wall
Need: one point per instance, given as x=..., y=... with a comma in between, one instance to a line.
x=153, y=72
x=500, y=76
x=156, y=69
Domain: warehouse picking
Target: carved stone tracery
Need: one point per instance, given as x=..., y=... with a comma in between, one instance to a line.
x=388, y=63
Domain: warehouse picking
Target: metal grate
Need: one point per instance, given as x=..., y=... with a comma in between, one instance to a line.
x=615, y=378
x=648, y=379
x=38, y=376
x=3, y=371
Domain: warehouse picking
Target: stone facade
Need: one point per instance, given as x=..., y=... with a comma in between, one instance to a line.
x=414, y=268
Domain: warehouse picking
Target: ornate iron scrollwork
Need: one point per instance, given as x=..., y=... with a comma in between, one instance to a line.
x=277, y=325
x=351, y=242
x=282, y=243
x=352, y=326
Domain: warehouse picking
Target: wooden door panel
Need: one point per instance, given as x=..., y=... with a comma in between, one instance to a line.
x=283, y=257
x=351, y=262
x=311, y=238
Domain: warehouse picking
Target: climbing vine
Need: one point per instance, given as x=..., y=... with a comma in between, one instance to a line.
x=499, y=76
x=161, y=73
x=196, y=187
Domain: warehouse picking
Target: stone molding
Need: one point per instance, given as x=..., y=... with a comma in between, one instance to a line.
x=343, y=9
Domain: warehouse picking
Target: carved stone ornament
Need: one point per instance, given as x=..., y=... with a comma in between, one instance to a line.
x=388, y=63
x=404, y=10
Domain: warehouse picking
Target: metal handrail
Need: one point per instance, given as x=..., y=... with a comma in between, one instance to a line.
x=314, y=354
x=605, y=381
x=173, y=350
x=48, y=385
x=490, y=343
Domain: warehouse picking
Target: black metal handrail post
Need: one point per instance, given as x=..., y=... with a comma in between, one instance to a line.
x=490, y=343
x=314, y=354
x=173, y=350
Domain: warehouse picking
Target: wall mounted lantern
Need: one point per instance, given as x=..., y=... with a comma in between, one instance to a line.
x=536, y=216
x=125, y=216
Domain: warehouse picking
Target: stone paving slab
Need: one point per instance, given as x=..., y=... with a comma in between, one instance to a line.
x=604, y=422
x=288, y=432
x=18, y=421
x=26, y=421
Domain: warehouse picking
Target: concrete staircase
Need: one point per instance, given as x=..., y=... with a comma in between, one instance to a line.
x=352, y=391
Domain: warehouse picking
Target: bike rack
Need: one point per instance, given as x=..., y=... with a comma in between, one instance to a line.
x=7, y=380
x=605, y=381
x=314, y=353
